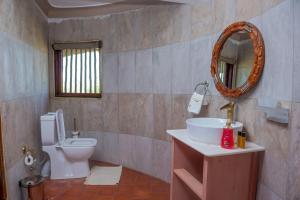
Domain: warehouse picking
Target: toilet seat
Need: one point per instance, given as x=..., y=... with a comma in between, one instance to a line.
x=70, y=142
x=79, y=142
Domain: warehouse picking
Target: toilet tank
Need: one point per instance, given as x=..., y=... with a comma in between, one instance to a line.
x=48, y=129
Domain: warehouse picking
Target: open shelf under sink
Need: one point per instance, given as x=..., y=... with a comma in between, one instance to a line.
x=195, y=185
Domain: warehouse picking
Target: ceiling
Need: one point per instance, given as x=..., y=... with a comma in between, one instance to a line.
x=80, y=3
x=85, y=8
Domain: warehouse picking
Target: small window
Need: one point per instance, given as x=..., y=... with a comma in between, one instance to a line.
x=78, y=69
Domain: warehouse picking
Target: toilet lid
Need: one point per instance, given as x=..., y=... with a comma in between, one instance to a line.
x=60, y=126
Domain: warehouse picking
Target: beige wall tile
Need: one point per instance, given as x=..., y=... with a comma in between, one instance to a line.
x=296, y=44
x=126, y=74
x=246, y=113
x=275, y=139
x=161, y=156
x=16, y=16
x=145, y=117
x=224, y=13
x=111, y=35
x=161, y=24
x=111, y=112
x=127, y=113
x=201, y=19
x=110, y=73
x=111, y=148
x=162, y=105
x=264, y=193
x=144, y=161
x=21, y=126
x=269, y=4
x=248, y=9
x=179, y=111
x=162, y=70
x=92, y=115
x=144, y=71
x=9, y=133
x=181, y=16
x=200, y=59
x=294, y=155
x=127, y=150
x=181, y=68
x=127, y=27
x=277, y=26
x=144, y=35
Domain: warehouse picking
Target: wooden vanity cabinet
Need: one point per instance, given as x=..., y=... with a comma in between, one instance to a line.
x=220, y=176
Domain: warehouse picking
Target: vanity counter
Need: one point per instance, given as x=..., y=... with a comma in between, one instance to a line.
x=210, y=150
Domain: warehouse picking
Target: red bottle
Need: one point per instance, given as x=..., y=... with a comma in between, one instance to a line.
x=227, y=140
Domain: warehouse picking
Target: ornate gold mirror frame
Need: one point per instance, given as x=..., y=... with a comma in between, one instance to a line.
x=259, y=59
x=3, y=194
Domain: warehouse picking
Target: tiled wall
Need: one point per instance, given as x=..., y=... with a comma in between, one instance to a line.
x=294, y=147
x=150, y=156
x=153, y=58
x=23, y=83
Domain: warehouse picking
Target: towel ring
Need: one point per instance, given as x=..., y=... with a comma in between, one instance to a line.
x=205, y=86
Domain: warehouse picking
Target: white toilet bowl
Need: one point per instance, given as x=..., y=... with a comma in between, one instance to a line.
x=78, y=149
x=68, y=156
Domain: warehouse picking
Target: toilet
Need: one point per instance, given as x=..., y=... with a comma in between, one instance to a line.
x=68, y=156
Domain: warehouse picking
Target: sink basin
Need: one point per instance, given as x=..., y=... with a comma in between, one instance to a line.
x=209, y=130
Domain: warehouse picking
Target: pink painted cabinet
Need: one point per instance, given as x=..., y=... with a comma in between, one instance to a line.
x=215, y=177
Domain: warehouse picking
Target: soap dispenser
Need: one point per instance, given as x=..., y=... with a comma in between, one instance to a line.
x=227, y=140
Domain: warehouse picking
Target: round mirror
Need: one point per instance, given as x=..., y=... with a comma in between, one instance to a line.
x=238, y=59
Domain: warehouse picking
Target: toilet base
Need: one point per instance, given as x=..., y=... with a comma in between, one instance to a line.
x=62, y=168
x=74, y=170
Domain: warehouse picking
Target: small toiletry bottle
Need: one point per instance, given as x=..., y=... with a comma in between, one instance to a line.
x=227, y=140
x=242, y=139
x=239, y=139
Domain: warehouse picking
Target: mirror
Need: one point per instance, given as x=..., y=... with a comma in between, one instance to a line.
x=238, y=59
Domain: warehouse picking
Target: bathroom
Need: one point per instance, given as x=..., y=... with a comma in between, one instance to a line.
x=153, y=54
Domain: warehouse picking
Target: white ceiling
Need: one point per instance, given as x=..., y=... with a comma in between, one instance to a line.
x=80, y=3
x=94, y=3
x=86, y=8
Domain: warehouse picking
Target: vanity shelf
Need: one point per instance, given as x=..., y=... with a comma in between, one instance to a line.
x=208, y=172
x=190, y=181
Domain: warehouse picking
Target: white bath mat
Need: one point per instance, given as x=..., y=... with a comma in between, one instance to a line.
x=104, y=176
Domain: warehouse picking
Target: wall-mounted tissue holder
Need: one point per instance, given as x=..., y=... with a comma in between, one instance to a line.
x=29, y=157
x=274, y=111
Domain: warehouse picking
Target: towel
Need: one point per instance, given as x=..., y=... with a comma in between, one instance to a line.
x=195, y=103
x=104, y=176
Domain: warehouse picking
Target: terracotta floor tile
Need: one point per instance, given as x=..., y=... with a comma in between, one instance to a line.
x=134, y=192
x=107, y=191
x=133, y=186
x=160, y=188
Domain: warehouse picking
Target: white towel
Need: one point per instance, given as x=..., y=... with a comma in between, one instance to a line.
x=195, y=103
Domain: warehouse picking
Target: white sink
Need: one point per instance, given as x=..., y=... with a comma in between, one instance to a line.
x=209, y=130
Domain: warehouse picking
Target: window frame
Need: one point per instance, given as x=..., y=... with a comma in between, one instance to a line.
x=58, y=68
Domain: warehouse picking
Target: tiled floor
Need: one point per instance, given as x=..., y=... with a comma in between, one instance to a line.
x=133, y=186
